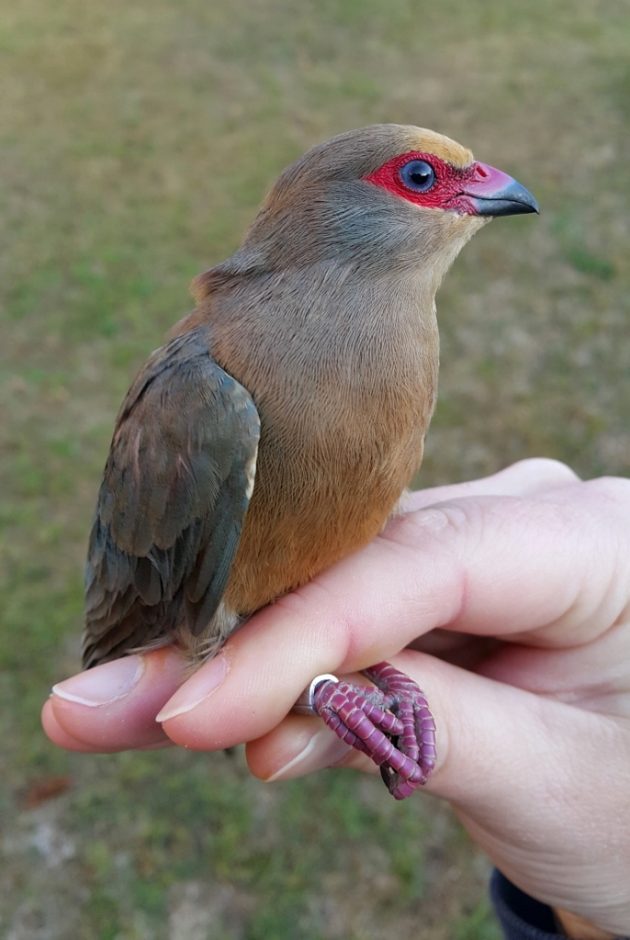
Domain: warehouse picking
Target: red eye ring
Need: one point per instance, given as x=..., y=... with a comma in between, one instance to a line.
x=395, y=177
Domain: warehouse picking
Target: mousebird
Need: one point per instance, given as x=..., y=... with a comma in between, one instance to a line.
x=277, y=428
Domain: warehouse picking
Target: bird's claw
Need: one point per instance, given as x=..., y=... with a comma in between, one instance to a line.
x=391, y=723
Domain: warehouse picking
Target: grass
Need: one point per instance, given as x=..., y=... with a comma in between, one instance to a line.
x=137, y=140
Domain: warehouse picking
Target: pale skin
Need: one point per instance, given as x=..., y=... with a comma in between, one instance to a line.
x=526, y=574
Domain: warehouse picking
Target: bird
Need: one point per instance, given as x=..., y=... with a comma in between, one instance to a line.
x=277, y=428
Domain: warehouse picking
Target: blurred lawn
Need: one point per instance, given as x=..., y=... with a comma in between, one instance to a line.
x=137, y=140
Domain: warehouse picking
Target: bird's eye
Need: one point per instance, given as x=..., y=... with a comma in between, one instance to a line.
x=418, y=175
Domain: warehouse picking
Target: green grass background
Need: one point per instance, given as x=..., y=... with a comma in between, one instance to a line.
x=137, y=139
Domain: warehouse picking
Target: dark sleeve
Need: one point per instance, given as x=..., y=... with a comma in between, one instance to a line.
x=521, y=917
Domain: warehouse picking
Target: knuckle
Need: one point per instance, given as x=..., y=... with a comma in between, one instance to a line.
x=440, y=521
x=548, y=469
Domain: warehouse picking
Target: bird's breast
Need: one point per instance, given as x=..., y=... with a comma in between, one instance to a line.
x=338, y=446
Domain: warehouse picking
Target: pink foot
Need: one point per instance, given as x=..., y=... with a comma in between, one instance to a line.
x=391, y=723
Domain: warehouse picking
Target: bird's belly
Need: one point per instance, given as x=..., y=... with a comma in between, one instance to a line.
x=307, y=514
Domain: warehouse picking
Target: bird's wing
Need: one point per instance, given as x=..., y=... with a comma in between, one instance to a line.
x=170, y=510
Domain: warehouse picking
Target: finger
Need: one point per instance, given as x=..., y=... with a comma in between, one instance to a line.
x=460, y=565
x=515, y=766
x=57, y=733
x=113, y=707
x=337, y=622
x=524, y=478
x=595, y=674
x=300, y=745
x=498, y=746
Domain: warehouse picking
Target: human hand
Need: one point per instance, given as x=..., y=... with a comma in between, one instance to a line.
x=519, y=587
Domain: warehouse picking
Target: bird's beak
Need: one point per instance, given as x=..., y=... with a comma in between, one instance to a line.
x=491, y=192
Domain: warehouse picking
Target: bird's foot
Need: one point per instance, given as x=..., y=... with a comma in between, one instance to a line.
x=391, y=723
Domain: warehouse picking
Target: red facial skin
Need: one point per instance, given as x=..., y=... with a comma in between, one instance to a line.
x=455, y=188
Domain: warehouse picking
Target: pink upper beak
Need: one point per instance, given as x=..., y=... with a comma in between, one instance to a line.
x=489, y=191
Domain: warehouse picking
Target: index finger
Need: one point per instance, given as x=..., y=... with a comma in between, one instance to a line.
x=486, y=565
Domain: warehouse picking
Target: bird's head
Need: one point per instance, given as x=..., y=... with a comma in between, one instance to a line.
x=388, y=198
x=387, y=194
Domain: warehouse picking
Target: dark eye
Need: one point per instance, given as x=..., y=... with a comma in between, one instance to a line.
x=418, y=175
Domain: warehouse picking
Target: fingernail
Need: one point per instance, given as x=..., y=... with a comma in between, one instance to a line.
x=103, y=684
x=204, y=682
x=322, y=749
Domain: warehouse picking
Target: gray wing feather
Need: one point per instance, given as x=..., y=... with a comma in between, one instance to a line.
x=172, y=502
